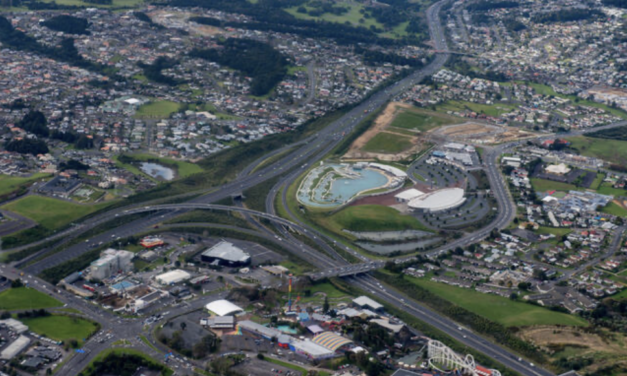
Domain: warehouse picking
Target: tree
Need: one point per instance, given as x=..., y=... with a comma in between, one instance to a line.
x=325, y=306
x=183, y=325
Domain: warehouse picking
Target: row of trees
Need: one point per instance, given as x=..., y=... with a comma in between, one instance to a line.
x=567, y=15
x=485, y=5
x=154, y=71
x=68, y=24
x=265, y=65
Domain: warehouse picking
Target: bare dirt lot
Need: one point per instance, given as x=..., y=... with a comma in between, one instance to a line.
x=381, y=123
x=606, y=348
x=479, y=133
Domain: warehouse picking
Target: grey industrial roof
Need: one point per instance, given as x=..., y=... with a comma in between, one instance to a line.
x=227, y=251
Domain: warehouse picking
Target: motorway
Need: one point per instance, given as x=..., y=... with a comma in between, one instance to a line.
x=298, y=157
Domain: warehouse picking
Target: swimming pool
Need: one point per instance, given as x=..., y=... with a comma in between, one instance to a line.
x=334, y=184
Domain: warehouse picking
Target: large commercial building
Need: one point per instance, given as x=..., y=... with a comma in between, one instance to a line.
x=111, y=262
x=225, y=253
x=222, y=307
x=15, y=348
x=443, y=199
x=173, y=277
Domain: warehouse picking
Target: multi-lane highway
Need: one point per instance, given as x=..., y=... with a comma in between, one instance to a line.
x=298, y=157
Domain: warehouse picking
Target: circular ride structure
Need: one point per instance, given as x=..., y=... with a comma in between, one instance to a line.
x=443, y=199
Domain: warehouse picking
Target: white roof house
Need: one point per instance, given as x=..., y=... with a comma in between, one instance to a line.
x=408, y=195
x=223, y=307
x=173, y=277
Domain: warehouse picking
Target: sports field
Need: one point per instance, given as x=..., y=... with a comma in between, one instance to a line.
x=61, y=328
x=370, y=218
x=26, y=298
x=385, y=142
x=9, y=184
x=614, y=151
x=50, y=212
x=158, y=109
x=499, y=309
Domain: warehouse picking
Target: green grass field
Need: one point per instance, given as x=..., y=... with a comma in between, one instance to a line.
x=61, y=328
x=615, y=209
x=490, y=110
x=421, y=120
x=158, y=109
x=49, y=212
x=543, y=185
x=9, y=184
x=557, y=231
x=387, y=143
x=607, y=189
x=502, y=310
x=26, y=298
x=613, y=151
x=370, y=218
x=352, y=16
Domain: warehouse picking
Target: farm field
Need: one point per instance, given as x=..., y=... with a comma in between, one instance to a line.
x=9, y=184
x=26, y=298
x=49, y=212
x=61, y=328
x=499, y=309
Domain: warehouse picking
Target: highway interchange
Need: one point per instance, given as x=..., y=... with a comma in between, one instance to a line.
x=300, y=157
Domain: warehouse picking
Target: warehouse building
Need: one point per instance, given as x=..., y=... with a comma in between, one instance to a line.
x=173, y=277
x=225, y=253
x=14, y=325
x=223, y=307
x=16, y=347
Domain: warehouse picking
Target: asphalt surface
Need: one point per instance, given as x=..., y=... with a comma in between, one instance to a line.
x=311, y=150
